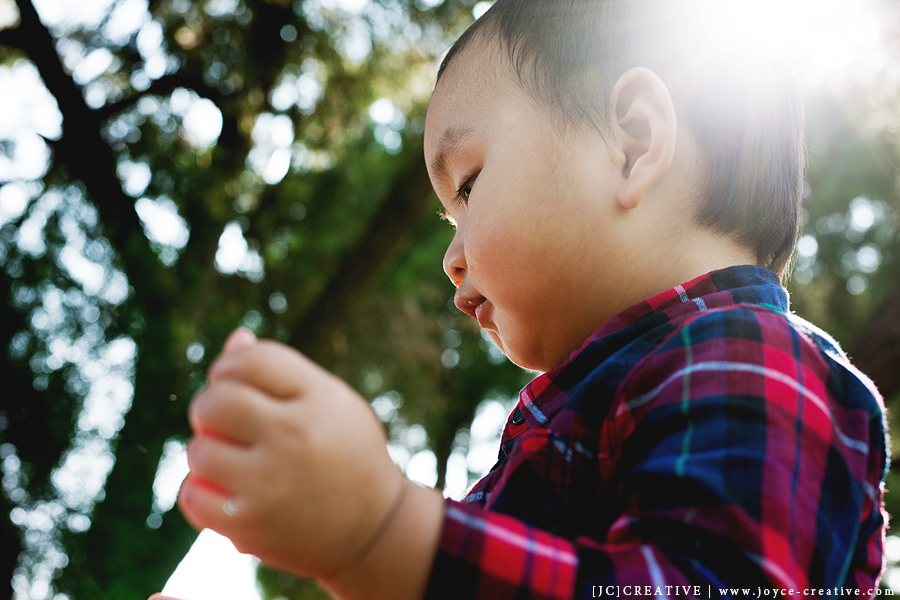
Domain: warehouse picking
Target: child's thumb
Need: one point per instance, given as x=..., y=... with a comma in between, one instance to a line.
x=239, y=338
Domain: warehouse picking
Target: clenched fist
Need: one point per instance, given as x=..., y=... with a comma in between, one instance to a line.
x=287, y=460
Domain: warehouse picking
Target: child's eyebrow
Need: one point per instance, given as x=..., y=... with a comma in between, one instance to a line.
x=449, y=143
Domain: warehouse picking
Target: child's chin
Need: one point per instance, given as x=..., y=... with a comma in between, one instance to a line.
x=529, y=363
x=498, y=341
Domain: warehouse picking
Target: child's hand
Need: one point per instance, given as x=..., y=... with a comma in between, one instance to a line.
x=286, y=460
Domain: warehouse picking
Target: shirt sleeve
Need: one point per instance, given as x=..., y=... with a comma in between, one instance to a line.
x=742, y=460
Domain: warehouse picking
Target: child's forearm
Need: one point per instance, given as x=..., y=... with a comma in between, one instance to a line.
x=399, y=564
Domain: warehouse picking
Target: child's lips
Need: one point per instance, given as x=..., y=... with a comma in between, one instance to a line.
x=478, y=312
x=469, y=303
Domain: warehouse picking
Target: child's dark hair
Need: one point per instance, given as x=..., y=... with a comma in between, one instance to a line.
x=743, y=108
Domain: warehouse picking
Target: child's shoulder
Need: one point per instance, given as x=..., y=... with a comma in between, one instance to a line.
x=747, y=331
x=760, y=346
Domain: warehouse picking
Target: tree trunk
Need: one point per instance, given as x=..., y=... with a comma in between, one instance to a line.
x=401, y=209
x=877, y=350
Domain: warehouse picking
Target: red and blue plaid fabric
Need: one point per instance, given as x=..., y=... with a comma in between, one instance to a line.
x=704, y=442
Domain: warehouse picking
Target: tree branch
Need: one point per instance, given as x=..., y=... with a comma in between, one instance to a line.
x=161, y=87
x=11, y=38
x=88, y=157
x=403, y=206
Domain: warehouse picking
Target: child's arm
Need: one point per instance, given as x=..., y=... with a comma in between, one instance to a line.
x=291, y=464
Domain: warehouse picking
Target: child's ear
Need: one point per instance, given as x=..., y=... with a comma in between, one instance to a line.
x=645, y=130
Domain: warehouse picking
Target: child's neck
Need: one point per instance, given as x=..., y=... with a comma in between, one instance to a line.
x=698, y=251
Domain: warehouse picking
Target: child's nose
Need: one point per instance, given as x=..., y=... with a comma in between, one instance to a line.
x=455, y=260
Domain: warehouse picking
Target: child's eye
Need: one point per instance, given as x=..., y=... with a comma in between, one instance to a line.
x=465, y=189
x=462, y=194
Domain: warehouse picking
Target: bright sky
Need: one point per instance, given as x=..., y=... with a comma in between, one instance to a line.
x=213, y=569
x=835, y=36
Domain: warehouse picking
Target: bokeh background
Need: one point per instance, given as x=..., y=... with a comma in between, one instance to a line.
x=171, y=169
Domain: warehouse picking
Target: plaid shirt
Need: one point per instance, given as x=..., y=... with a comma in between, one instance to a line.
x=700, y=442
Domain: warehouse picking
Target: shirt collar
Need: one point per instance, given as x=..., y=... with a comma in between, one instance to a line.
x=746, y=284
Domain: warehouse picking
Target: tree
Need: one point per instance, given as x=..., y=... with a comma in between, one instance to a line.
x=258, y=162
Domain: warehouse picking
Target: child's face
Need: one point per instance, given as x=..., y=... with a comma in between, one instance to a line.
x=540, y=253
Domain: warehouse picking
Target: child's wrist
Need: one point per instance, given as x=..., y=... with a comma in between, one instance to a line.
x=383, y=525
x=397, y=563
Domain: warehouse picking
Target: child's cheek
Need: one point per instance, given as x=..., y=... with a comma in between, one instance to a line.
x=486, y=242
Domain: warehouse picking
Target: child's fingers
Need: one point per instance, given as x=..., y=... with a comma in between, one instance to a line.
x=229, y=409
x=274, y=368
x=239, y=338
x=205, y=506
x=217, y=462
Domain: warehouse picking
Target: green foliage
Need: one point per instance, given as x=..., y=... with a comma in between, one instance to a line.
x=277, y=586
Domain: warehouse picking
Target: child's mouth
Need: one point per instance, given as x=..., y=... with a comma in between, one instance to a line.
x=478, y=310
x=469, y=303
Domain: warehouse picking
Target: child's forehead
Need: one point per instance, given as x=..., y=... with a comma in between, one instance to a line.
x=475, y=81
x=481, y=64
x=479, y=78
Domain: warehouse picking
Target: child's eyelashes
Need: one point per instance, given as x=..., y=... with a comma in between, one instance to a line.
x=461, y=198
x=445, y=215
x=462, y=194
